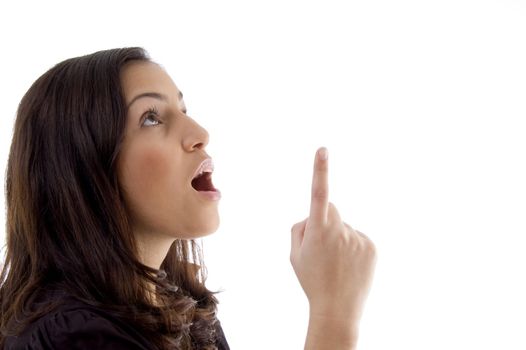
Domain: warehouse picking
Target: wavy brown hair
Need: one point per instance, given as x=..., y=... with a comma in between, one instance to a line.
x=66, y=216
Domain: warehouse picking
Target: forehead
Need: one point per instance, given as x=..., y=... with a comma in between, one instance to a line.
x=142, y=76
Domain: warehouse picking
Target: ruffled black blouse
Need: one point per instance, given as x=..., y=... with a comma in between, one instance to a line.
x=76, y=325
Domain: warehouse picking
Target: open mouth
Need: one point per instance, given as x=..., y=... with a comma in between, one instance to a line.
x=203, y=182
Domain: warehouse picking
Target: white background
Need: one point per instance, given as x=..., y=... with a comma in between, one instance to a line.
x=422, y=107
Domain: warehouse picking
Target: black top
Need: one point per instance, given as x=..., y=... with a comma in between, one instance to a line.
x=79, y=326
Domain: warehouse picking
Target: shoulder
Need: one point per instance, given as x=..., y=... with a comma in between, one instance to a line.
x=76, y=327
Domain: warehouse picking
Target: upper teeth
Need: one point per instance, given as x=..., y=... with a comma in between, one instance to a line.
x=207, y=166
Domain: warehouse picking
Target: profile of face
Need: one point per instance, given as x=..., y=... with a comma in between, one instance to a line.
x=161, y=151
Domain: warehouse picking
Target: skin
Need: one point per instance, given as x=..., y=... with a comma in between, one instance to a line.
x=334, y=263
x=156, y=164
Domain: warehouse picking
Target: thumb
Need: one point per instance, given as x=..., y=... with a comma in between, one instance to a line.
x=297, y=232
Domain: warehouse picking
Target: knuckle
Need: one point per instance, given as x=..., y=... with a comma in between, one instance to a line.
x=298, y=225
x=362, y=235
x=345, y=237
x=334, y=211
x=322, y=167
x=319, y=193
x=295, y=227
x=371, y=248
x=336, y=226
x=331, y=211
x=351, y=231
x=355, y=244
x=357, y=240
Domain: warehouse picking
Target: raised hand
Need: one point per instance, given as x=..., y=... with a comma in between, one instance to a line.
x=333, y=262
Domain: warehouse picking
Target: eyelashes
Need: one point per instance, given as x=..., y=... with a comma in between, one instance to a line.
x=153, y=113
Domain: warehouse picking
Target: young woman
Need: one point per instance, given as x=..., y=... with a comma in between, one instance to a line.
x=108, y=186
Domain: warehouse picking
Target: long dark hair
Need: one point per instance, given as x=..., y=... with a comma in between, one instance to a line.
x=67, y=224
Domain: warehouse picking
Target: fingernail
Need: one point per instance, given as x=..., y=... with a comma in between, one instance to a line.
x=324, y=154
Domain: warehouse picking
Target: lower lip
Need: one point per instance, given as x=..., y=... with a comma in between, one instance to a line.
x=211, y=195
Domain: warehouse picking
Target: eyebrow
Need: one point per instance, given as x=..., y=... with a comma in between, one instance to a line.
x=156, y=95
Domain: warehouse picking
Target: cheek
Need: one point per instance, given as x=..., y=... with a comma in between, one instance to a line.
x=147, y=167
x=147, y=175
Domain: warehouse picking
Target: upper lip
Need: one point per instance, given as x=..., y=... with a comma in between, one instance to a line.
x=207, y=165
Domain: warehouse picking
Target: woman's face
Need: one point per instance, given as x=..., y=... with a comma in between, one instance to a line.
x=159, y=156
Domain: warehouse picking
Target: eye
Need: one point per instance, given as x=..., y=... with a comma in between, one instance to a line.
x=152, y=113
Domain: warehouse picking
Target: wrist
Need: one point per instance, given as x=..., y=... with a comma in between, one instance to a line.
x=332, y=331
x=335, y=312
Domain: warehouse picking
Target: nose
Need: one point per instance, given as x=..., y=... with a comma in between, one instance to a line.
x=198, y=138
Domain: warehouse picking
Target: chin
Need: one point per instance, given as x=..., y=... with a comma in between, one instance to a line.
x=205, y=228
x=211, y=230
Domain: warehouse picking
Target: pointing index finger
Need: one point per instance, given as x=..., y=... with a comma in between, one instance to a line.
x=320, y=188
